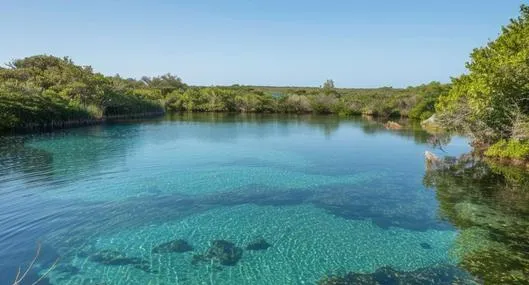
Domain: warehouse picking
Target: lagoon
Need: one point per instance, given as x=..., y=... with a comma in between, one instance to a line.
x=329, y=196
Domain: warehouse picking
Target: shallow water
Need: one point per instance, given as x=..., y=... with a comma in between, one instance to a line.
x=331, y=196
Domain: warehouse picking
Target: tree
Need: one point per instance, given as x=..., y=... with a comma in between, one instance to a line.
x=328, y=87
x=482, y=102
x=166, y=83
x=329, y=84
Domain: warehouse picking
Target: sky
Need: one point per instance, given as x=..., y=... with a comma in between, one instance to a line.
x=357, y=43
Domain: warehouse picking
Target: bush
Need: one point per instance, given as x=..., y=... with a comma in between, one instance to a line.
x=511, y=149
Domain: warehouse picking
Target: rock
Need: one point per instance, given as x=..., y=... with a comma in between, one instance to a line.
x=225, y=252
x=178, y=245
x=433, y=162
x=390, y=125
x=431, y=124
x=221, y=251
x=258, y=244
x=431, y=157
x=425, y=245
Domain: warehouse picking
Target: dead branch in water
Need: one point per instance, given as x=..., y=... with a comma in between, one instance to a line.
x=19, y=278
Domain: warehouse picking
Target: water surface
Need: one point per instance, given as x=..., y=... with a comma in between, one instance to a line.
x=330, y=196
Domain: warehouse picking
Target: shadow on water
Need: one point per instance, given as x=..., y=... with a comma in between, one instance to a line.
x=489, y=204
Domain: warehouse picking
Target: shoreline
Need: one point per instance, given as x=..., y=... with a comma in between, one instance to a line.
x=61, y=125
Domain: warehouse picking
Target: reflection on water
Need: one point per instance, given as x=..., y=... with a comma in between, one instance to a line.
x=328, y=195
x=489, y=204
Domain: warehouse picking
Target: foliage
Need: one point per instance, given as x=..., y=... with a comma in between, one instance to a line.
x=487, y=101
x=510, y=149
x=47, y=91
x=166, y=83
x=425, y=107
x=328, y=87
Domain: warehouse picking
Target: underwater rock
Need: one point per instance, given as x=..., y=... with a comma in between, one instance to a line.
x=442, y=274
x=116, y=258
x=225, y=252
x=426, y=245
x=178, y=245
x=258, y=244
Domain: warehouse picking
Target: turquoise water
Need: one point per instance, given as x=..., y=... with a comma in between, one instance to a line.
x=330, y=196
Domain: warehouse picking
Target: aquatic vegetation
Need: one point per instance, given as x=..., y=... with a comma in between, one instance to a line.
x=442, y=274
x=258, y=244
x=178, y=245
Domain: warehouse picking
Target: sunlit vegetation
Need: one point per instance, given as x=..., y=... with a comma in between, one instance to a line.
x=46, y=91
x=491, y=102
x=510, y=149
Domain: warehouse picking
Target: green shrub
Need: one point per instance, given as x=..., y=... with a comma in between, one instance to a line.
x=512, y=149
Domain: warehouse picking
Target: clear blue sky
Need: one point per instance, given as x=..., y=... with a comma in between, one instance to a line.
x=266, y=42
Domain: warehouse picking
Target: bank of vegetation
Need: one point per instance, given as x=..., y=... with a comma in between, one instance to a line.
x=491, y=102
x=47, y=91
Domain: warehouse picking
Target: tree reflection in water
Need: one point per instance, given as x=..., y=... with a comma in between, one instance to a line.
x=489, y=203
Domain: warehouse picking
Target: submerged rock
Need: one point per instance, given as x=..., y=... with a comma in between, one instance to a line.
x=258, y=244
x=178, y=245
x=116, y=258
x=425, y=245
x=443, y=274
x=225, y=252
x=222, y=251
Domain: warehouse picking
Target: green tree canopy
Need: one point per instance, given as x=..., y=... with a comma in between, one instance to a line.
x=492, y=100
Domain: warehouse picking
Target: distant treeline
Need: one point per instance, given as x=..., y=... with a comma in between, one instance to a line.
x=43, y=90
